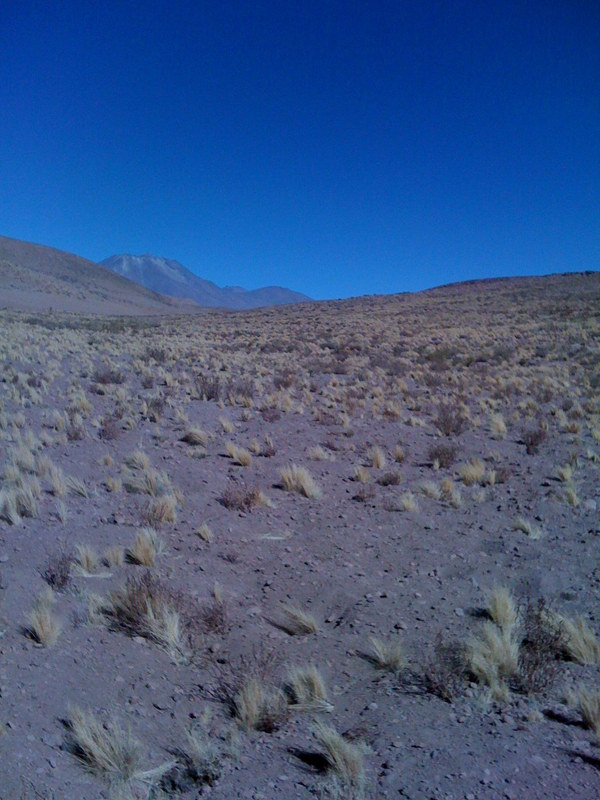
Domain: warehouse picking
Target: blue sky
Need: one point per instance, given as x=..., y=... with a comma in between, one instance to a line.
x=338, y=148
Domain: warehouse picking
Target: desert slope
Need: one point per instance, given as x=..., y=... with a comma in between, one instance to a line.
x=34, y=277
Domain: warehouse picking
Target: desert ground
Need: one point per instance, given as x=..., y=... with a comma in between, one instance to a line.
x=332, y=550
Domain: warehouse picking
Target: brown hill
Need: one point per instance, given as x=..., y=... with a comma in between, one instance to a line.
x=34, y=277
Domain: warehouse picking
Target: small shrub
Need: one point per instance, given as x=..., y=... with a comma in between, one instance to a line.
x=442, y=454
x=532, y=438
x=445, y=672
x=450, y=420
x=57, y=573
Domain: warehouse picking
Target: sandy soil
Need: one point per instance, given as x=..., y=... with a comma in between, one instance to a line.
x=435, y=374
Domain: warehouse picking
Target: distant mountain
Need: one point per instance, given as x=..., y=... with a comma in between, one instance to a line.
x=34, y=277
x=171, y=278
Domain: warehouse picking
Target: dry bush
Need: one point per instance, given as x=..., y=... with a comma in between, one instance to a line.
x=57, y=572
x=298, y=479
x=106, y=375
x=444, y=455
x=259, y=706
x=146, y=547
x=114, y=556
x=392, y=478
x=445, y=671
x=147, y=607
x=205, y=532
x=138, y=460
x=450, y=420
x=533, y=437
x=243, y=498
x=540, y=645
x=201, y=756
x=109, y=428
x=77, y=487
x=362, y=474
x=208, y=387
x=407, y=502
x=399, y=454
x=247, y=691
x=19, y=500
x=43, y=625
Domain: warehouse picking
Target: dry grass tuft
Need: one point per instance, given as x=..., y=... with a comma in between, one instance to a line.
x=502, y=609
x=103, y=748
x=345, y=758
x=258, y=706
x=307, y=690
x=87, y=559
x=377, y=457
x=472, y=472
x=388, y=656
x=44, y=627
x=146, y=547
x=297, y=622
x=147, y=607
x=238, y=454
x=205, y=532
x=588, y=701
x=579, y=641
x=531, y=529
x=195, y=436
x=161, y=510
x=298, y=479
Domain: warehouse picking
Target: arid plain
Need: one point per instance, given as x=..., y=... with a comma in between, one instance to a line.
x=338, y=550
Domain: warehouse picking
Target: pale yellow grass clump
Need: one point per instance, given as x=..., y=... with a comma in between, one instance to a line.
x=564, y=473
x=588, y=701
x=345, y=758
x=377, y=457
x=205, y=532
x=226, y=424
x=502, y=609
x=298, y=479
x=408, y=502
x=147, y=546
x=307, y=689
x=399, y=454
x=580, y=641
x=387, y=655
x=451, y=492
x=494, y=656
x=138, y=460
x=258, y=706
x=497, y=426
x=238, y=454
x=472, y=472
x=87, y=559
x=532, y=530
x=114, y=556
x=297, y=622
x=161, y=510
x=44, y=627
x=430, y=489
x=362, y=474
x=103, y=748
x=195, y=436
x=318, y=453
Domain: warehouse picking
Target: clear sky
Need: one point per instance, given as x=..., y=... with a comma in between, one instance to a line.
x=335, y=147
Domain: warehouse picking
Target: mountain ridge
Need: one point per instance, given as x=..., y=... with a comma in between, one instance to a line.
x=170, y=277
